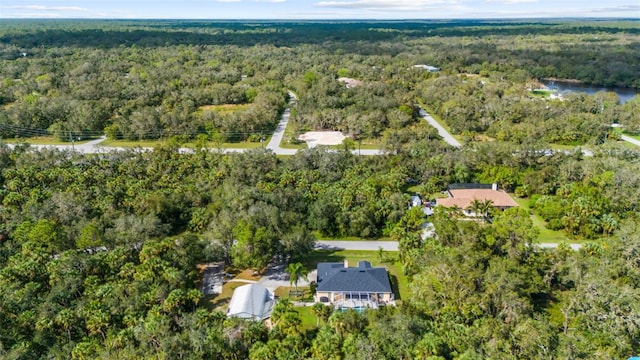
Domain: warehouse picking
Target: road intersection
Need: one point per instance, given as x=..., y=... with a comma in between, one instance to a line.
x=94, y=147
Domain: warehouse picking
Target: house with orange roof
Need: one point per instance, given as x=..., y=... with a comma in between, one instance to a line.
x=463, y=196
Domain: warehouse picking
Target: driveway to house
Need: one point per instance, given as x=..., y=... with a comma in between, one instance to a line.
x=446, y=136
x=356, y=245
x=275, y=276
x=630, y=139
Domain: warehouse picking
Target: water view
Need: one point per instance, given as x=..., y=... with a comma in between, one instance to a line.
x=565, y=87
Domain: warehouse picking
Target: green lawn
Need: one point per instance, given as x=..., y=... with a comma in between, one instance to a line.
x=546, y=235
x=309, y=321
x=131, y=144
x=288, y=134
x=285, y=292
x=399, y=281
x=543, y=93
x=211, y=145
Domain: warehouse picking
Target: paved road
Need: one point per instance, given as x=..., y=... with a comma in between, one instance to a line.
x=392, y=245
x=356, y=245
x=446, y=136
x=630, y=139
x=89, y=147
x=278, y=135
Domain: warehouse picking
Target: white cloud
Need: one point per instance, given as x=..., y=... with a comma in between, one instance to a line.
x=509, y=2
x=262, y=1
x=385, y=5
x=631, y=11
x=48, y=8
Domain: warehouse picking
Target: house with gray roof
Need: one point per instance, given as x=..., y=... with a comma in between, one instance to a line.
x=364, y=286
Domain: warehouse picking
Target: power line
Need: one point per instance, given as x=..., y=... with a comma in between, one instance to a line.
x=24, y=131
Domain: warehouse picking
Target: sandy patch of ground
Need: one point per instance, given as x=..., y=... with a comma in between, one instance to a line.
x=349, y=82
x=315, y=138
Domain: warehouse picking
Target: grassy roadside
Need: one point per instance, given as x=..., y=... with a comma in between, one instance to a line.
x=289, y=133
x=348, y=238
x=155, y=143
x=637, y=137
x=47, y=140
x=440, y=121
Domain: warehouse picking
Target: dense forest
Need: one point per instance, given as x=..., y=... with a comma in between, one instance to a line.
x=142, y=80
x=99, y=252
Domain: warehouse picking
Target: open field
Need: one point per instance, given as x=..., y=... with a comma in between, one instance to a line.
x=224, y=108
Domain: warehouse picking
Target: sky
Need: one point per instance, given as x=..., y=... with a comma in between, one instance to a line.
x=318, y=9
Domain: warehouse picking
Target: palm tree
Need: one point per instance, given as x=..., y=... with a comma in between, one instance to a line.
x=321, y=311
x=485, y=208
x=609, y=224
x=296, y=271
x=476, y=206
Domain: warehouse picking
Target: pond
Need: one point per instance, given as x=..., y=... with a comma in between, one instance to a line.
x=624, y=94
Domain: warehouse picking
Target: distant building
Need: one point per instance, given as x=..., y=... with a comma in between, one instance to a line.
x=429, y=68
x=251, y=301
x=360, y=287
x=463, y=195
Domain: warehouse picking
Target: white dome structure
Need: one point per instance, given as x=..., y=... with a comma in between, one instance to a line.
x=251, y=302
